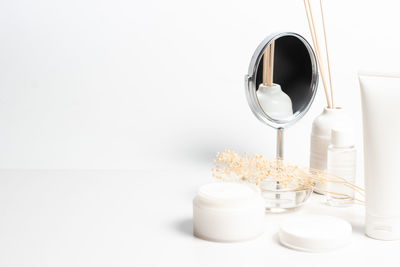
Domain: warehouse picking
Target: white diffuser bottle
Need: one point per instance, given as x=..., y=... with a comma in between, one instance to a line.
x=321, y=137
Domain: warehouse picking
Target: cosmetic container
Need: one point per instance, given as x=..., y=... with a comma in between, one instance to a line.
x=341, y=162
x=380, y=95
x=228, y=212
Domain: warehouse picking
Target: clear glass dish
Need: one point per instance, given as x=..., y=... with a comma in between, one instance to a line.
x=278, y=199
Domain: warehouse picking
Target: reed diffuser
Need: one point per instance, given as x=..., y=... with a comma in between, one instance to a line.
x=332, y=116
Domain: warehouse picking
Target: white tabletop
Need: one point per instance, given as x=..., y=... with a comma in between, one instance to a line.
x=143, y=218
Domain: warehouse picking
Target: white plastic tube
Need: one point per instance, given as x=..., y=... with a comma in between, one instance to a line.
x=380, y=97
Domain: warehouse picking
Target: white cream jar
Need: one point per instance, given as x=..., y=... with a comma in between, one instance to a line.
x=228, y=212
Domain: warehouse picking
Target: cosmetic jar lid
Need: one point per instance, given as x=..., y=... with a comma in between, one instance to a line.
x=228, y=212
x=227, y=194
x=315, y=233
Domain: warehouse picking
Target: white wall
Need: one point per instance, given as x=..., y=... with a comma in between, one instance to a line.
x=147, y=84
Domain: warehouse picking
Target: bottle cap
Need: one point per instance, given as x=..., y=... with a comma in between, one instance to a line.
x=342, y=137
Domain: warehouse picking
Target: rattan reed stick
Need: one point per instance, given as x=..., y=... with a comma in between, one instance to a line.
x=313, y=33
x=327, y=54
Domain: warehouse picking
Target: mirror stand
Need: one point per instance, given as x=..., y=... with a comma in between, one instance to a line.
x=279, y=143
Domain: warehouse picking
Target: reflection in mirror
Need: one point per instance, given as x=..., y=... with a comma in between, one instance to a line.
x=284, y=78
x=274, y=102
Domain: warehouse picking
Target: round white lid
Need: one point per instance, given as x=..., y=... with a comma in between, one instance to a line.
x=227, y=190
x=228, y=194
x=315, y=233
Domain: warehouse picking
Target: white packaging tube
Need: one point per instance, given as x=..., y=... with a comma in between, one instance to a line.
x=380, y=97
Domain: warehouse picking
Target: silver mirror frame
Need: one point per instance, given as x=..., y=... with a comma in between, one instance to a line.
x=251, y=90
x=251, y=84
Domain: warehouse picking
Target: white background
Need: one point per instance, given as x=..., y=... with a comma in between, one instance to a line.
x=157, y=85
x=152, y=84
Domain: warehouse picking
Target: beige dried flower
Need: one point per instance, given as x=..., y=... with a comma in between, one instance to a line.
x=229, y=166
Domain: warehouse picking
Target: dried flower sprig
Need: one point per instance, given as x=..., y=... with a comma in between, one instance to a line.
x=229, y=166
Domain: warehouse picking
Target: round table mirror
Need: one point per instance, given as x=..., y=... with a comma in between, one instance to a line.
x=280, y=88
x=282, y=81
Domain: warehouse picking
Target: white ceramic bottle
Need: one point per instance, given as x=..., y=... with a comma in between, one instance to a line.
x=321, y=137
x=341, y=161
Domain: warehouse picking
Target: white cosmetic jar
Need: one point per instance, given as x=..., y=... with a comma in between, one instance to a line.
x=228, y=212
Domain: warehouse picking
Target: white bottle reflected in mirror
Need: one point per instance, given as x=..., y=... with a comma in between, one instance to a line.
x=274, y=102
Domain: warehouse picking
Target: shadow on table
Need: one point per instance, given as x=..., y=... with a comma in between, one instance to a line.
x=184, y=226
x=358, y=228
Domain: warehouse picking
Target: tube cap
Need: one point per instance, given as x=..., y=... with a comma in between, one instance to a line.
x=315, y=233
x=382, y=228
